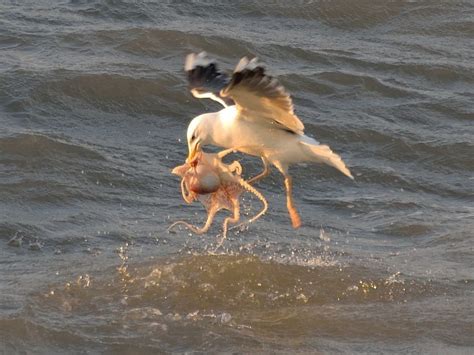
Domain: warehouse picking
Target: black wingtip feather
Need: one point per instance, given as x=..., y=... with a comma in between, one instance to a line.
x=258, y=72
x=205, y=76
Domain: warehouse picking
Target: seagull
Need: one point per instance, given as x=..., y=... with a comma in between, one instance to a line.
x=257, y=119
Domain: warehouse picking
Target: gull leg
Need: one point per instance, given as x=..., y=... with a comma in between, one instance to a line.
x=264, y=173
x=294, y=216
x=210, y=217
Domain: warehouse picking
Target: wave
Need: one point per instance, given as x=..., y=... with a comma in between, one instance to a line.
x=223, y=293
x=27, y=145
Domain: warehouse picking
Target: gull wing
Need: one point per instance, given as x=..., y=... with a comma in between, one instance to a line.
x=260, y=97
x=204, y=78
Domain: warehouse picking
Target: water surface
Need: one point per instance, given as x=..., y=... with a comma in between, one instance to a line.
x=94, y=109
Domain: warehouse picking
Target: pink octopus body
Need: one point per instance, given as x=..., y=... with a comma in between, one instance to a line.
x=217, y=186
x=202, y=179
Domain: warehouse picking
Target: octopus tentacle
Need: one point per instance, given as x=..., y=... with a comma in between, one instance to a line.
x=235, y=167
x=234, y=219
x=225, y=152
x=197, y=230
x=188, y=196
x=229, y=185
x=257, y=193
x=264, y=173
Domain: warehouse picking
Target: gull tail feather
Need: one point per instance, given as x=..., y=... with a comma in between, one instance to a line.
x=324, y=154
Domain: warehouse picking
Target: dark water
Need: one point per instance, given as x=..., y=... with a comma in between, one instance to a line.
x=93, y=112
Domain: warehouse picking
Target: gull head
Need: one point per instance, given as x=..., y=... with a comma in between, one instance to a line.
x=198, y=135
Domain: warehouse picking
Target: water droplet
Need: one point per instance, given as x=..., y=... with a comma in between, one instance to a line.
x=225, y=318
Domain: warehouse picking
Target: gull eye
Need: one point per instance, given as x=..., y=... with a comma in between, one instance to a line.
x=193, y=137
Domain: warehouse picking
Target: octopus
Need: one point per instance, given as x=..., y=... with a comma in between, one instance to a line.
x=218, y=186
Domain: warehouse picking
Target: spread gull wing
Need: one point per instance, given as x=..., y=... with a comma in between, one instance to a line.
x=259, y=97
x=204, y=78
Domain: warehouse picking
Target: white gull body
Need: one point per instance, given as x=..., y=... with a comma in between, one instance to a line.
x=260, y=123
x=279, y=147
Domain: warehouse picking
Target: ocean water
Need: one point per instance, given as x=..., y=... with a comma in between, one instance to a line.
x=93, y=110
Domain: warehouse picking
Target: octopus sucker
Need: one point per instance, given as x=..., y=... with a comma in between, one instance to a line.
x=217, y=186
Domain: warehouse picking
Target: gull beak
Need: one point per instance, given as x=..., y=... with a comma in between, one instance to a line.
x=194, y=149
